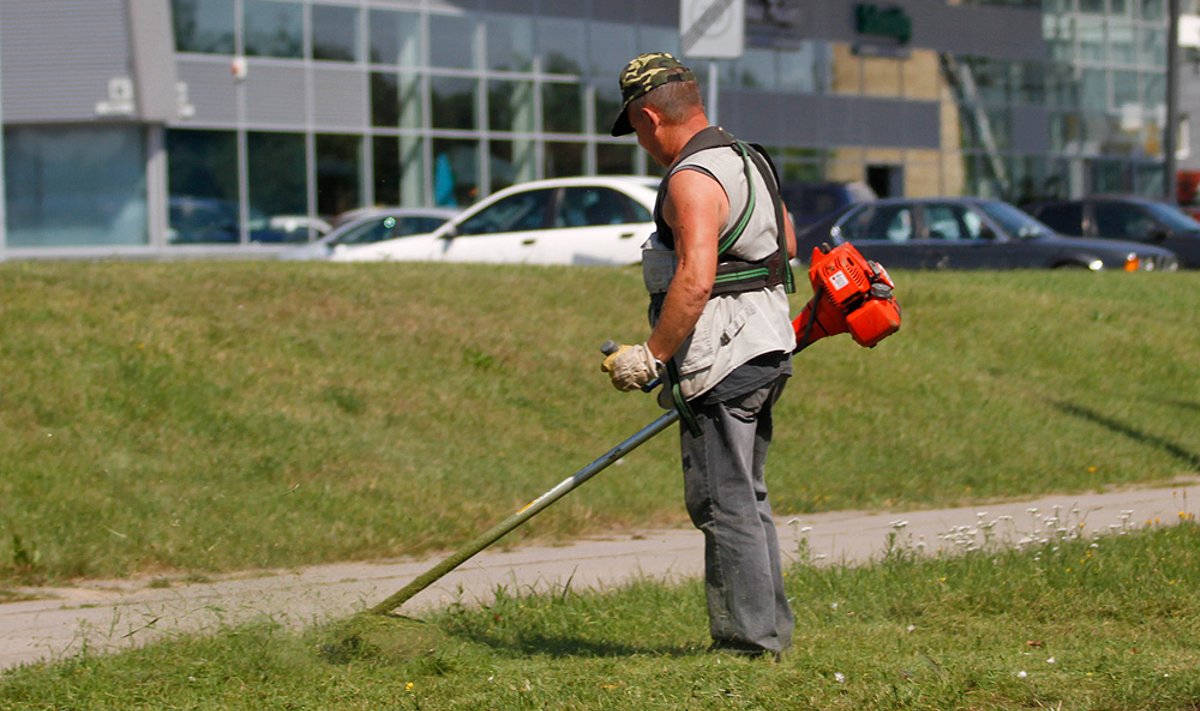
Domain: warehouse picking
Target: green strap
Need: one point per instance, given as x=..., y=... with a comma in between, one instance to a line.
x=681, y=405
x=743, y=275
x=735, y=233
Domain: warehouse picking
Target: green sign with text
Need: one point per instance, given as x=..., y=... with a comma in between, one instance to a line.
x=886, y=22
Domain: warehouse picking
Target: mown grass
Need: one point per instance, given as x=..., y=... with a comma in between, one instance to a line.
x=1113, y=624
x=183, y=418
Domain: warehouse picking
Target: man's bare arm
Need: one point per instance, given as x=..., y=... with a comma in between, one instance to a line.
x=696, y=209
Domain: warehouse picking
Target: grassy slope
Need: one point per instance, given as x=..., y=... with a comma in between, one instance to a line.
x=1067, y=625
x=211, y=416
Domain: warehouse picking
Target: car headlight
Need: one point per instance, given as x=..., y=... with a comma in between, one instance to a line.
x=1096, y=265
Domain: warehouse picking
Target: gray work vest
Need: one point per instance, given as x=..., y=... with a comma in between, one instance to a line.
x=734, y=327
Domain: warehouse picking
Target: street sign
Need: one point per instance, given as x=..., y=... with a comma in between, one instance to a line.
x=712, y=29
x=1189, y=30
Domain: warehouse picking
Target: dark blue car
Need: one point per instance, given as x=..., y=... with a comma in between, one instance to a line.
x=971, y=233
x=1133, y=219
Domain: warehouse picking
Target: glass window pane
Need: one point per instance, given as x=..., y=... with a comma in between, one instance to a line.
x=561, y=44
x=455, y=172
x=385, y=99
x=274, y=29
x=611, y=47
x=395, y=100
x=276, y=177
x=203, y=26
x=335, y=33
x=1125, y=88
x=756, y=69
x=511, y=162
x=563, y=159
x=1155, y=89
x=452, y=41
x=1154, y=48
x=510, y=106
x=1148, y=179
x=395, y=37
x=653, y=38
x=562, y=108
x=509, y=43
x=1094, y=90
x=798, y=69
x=385, y=159
x=339, y=173
x=453, y=102
x=1122, y=43
x=202, y=178
x=75, y=186
x=614, y=159
x=1152, y=9
x=608, y=104
x=1091, y=39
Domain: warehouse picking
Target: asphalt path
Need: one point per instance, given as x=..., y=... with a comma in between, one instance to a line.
x=100, y=615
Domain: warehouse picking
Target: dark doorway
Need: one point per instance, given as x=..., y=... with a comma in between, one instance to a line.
x=886, y=180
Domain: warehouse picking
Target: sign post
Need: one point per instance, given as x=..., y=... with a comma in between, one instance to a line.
x=3, y=195
x=712, y=30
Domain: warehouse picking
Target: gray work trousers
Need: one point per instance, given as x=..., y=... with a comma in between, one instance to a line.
x=726, y=495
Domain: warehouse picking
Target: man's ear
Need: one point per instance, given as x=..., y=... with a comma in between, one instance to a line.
x=652, y=115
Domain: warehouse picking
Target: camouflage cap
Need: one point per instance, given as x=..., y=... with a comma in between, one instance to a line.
x=643, y=74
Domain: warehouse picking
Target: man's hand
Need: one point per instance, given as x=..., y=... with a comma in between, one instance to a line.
x=631, y=367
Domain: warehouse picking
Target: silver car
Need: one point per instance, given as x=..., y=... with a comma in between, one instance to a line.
x=373, y=226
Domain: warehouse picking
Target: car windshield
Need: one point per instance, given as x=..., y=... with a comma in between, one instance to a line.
x=1174, y=219
x=372, y=229
x=1014, y=221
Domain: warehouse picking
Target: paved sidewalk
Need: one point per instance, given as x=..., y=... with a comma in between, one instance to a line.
x=107, y=615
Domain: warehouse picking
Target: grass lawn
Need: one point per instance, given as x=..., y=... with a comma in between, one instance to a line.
x=175, y=419
x=1071, y=624
x=182, y=418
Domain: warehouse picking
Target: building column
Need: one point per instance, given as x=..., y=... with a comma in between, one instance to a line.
x=157, y=201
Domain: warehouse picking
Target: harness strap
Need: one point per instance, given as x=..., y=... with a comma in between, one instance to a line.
x=686, y=416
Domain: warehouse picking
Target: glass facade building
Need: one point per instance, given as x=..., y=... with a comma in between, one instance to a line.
x=185, y=126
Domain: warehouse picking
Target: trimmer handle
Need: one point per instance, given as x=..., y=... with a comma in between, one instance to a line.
x=610, y=346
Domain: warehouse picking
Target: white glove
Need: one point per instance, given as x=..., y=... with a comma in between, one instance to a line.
x=631, y=367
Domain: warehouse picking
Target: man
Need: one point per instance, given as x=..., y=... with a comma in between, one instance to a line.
x=718, y=277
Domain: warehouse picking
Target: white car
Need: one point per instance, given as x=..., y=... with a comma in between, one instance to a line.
x=372, y=225
x=596, y=220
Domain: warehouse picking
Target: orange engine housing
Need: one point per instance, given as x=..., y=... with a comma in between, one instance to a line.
x=851, y=294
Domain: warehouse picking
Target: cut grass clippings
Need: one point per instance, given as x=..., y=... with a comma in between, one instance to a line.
x=179, y=419
x=1071, y=624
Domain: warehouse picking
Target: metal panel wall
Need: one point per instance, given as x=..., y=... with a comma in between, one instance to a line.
x=60, y=56
x=978, y=30
x=212, y=91
x=340, y=98
x=830, y=120
x=276, y=95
